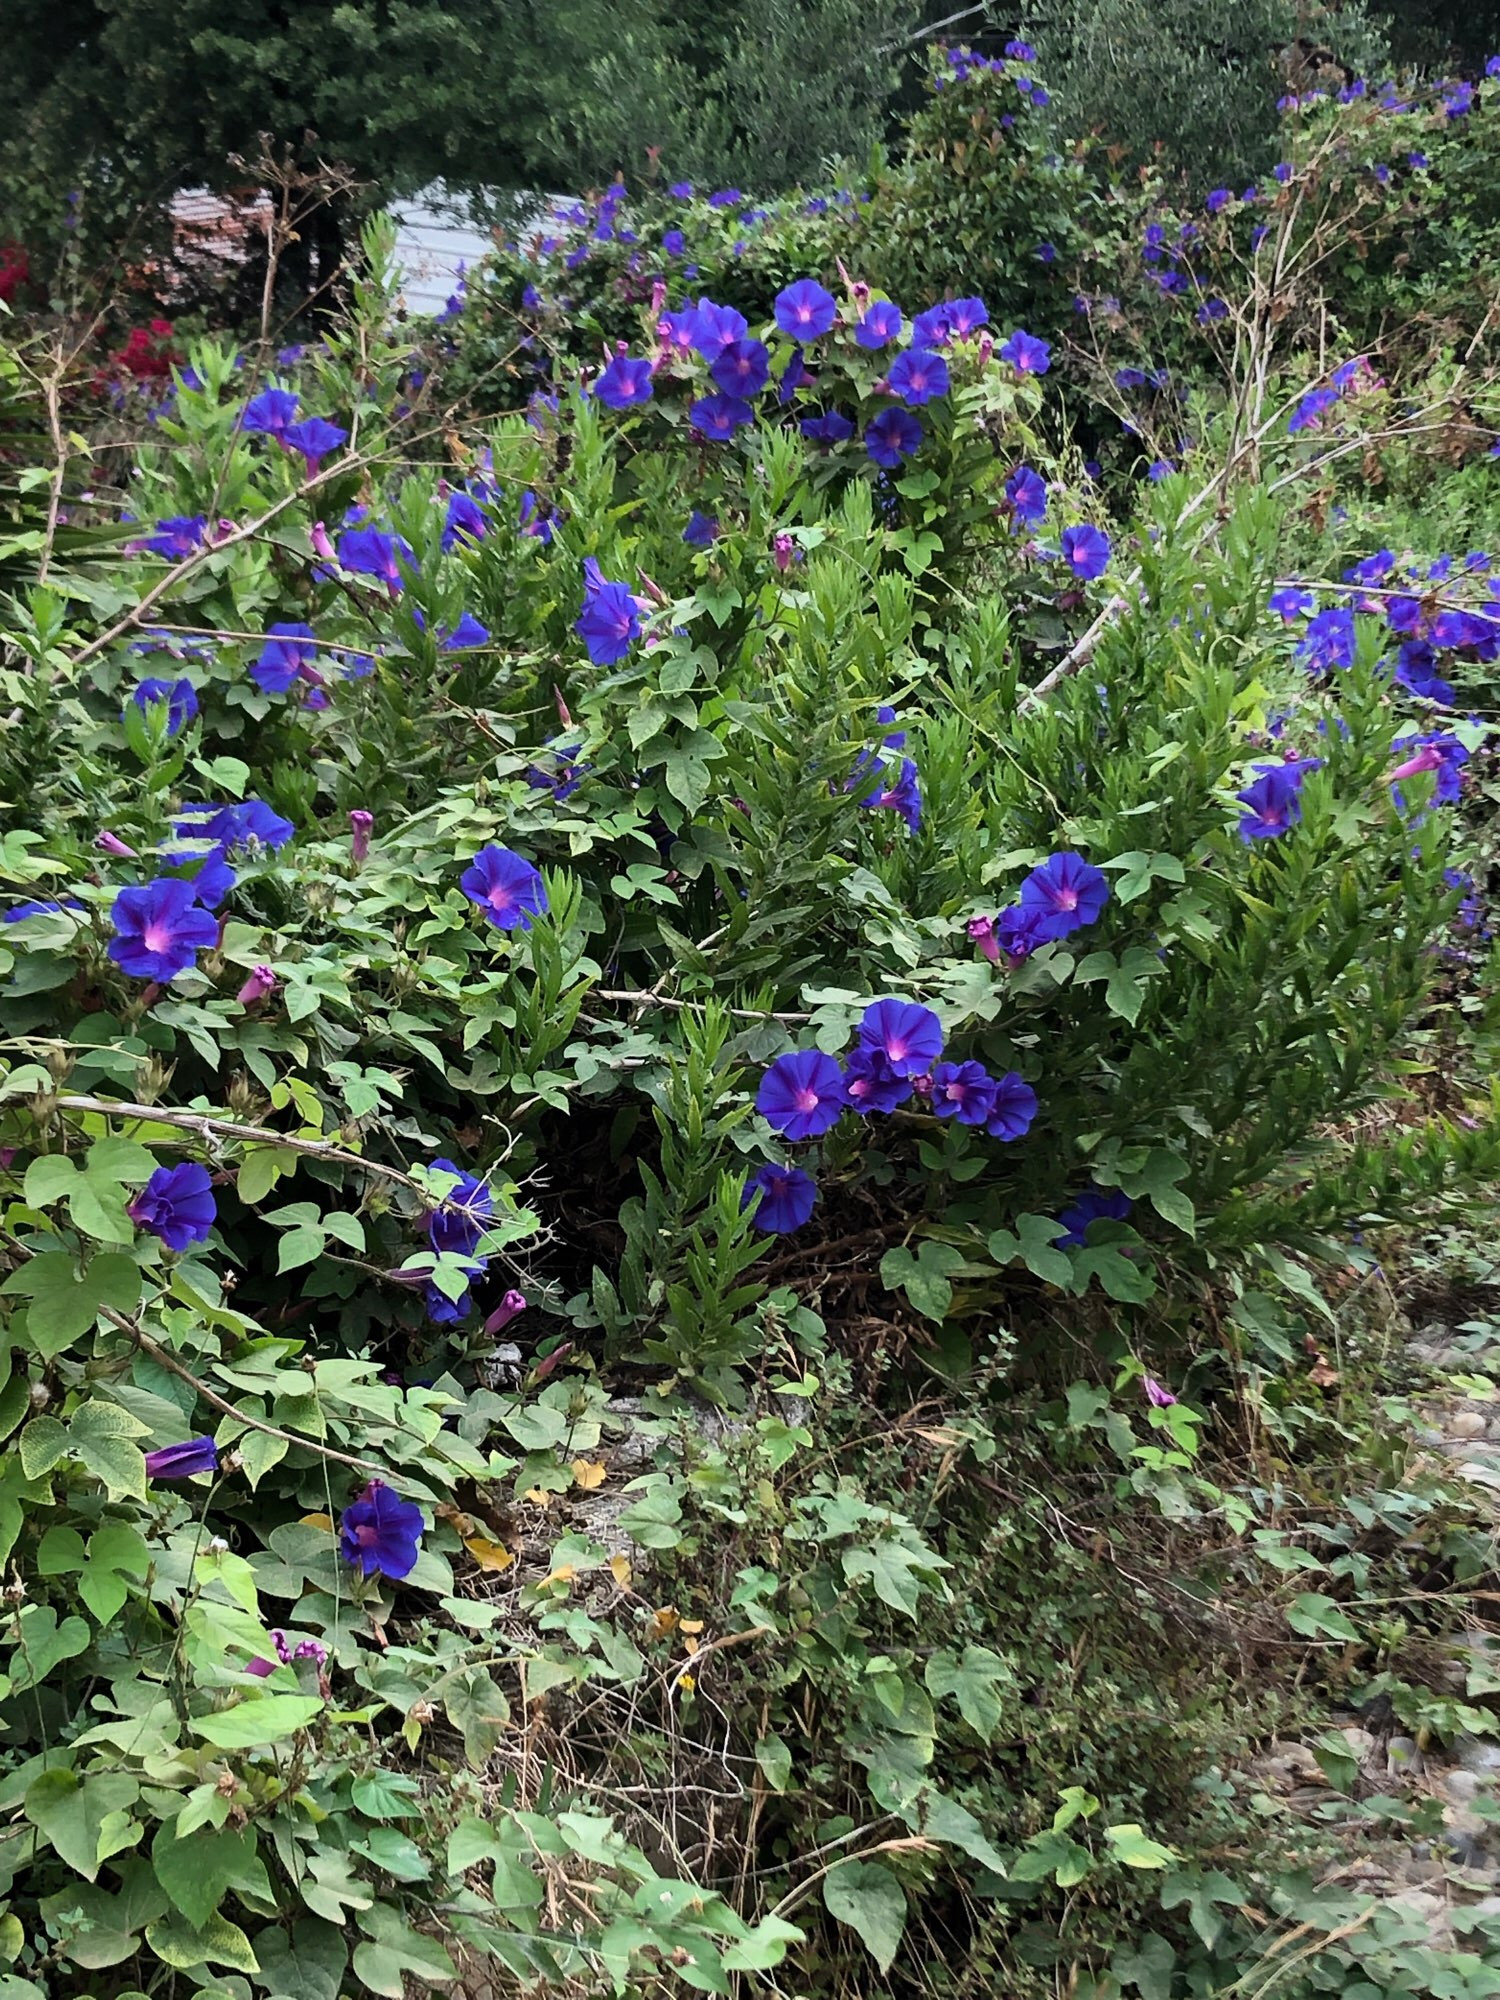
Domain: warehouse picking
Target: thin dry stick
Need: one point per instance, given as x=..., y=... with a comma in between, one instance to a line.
x=206, y=1126
x=654, y=999
x=173, y=1366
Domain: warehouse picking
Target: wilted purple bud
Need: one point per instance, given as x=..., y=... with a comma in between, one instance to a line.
x=260, y=1667
x=183, y=1461
x=509, y=1307
x=260, y=984
x=982, y=931
x=321, y=544
x=110, y=843
x=1158, y=1397
x=361, y=826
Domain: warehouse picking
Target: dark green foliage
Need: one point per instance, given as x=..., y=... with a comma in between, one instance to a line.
x=1188, y=86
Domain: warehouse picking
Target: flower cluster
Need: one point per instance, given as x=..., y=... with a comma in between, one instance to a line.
x=896, y=1058
x=1061, y=895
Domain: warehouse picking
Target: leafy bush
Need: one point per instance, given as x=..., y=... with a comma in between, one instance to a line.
x=821, y=923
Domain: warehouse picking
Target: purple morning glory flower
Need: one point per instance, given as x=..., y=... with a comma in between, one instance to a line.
x=965, y=1091
x=674, y=243
x=909, y=1037
x=160, y=930
x=177, y=537
x=1013, y=1109
x=741, y=367
x=506, y=887
x=881, y=325
x=1273, y=804
x=466, y=521
x=183, y=1461
x=1310, y=410
x=270, y=413
x=702, y=530
x=234, y=826
x=566, y=774
x=1026, y=354
x=180, y=699
x=1291, y=601
x=1435, y=751
x=903, y=794
x=966, y=316
x=931, y=328
x=381, y=1534
x=1067, y=893
x=176, y=1205
x=1404, y=615
x=1373, y=569
x=714, y=327
x=805, y=311
x=1086, y=551
x=719, y=417
x=610, y=622
x=456, y=1227
x=918, y=377
x=442, y=1310
x=314, y=437
x=1026, y=494
x=286, y=658
x=467, y=632
x=1416, y=671
x=725, y=198
x=368, y=552
x=893, y=435
x=830, y=428
x=624, y=383
x=787, y=1198
x=870, y=1084
x=1095, y=1204
x=20, y=912
x=1220, y=198
x=1328, y=641
x=801, y=1095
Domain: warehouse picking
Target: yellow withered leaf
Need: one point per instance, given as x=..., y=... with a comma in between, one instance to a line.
x=663, y=1621
x=589, y=1473
x=620, y=1570
x=317, y=1521
x=489, y=1555
x=538, y=1496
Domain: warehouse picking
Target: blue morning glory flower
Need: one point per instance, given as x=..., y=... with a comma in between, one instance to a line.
x=893, y=435
x=179, y=696
x=1026, y=495
x=805, y=311
x=881, y=325
x=1066, y=893
x=918, y=377
x=177, y=1205
x=720, y=416
x=1086, y=552
x=506, y=887
x=787, y=1198
x=907, y=1036
x=270, y=413
x=314, y=437
x=801, y=1095
x=380, y=1534
x=1027, y=354
x=830, y=428
x=610, y=622
x=625, y=383
x=286, y=658
x=160, y=930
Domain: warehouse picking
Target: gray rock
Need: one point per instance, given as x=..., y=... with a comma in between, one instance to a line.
x=1466, y=1424
x=1361, y=1742
x=1403, y=1759
x=1430, y=1910
x=1462, y=1786
x=1474, y=1753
